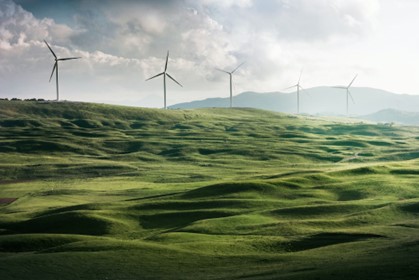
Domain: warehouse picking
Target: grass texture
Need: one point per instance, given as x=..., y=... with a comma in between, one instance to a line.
x=91, y=191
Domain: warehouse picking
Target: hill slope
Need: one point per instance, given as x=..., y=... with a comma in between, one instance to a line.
x=92, y=191
x=390, y=115
x=318, y=100
x=140, y=138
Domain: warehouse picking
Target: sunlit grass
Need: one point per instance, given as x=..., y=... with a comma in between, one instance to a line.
x=108, y=192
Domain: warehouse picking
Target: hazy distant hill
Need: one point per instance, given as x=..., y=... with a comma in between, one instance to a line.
x=391, y=115
x=318, y=100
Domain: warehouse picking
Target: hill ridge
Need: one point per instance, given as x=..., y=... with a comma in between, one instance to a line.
x=316, y=101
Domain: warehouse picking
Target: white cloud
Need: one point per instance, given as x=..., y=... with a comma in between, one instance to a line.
x=18, y=26
x=26, y=63
x=124, y=42
x=229, y=3
x=320, y=19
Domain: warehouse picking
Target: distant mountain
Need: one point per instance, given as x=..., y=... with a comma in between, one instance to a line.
x=317, y=101
x=393, y=116
x=272, y=101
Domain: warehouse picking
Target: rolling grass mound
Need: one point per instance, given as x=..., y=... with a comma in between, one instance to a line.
x=321, y=210
x=327, y=239
x=365, y=170
x=74, y=222
x=113, y=192
x=179, y=219
x=231, y=190
x=30, y=146
x=34, y=242
x=410, y=207
x=199, y=204
x=20, y=123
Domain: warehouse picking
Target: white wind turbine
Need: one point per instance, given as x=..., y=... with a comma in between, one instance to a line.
x=55, y=68
x=231, y=82
x=348, y=93
x=164, y=73
x=298, y=86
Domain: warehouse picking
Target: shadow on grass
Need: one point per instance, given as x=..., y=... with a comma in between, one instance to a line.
x=327, y=239
x=179, y=219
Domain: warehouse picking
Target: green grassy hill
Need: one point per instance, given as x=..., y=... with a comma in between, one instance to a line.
x=108, y=192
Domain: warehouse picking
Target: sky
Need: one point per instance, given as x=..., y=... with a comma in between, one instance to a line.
x=122, y=43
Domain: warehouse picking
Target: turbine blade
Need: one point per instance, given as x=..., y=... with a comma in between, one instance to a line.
x=173, y=79
x=222, y=71
x=237, y=67
x=53, y=69
x=155, y=76
x=290, y=87
x=69, y=58
x=50, y=49
x=353, y=101
x=301, y=73
x=303, y=90
x=353, y=80
x=167, y=60
x=340, y=87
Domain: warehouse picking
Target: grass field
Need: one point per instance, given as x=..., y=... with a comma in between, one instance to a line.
x=90, y=191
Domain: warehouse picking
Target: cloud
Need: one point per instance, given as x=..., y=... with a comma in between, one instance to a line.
x=18, y=27
x=124, y=42
x=307, y=20
x=26, y=63
x=228, y=3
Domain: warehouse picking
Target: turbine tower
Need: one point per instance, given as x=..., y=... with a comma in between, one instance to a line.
x=55, y=68
x=164, y=73
x=348, y=93
x=298, y=86
x=231, y=82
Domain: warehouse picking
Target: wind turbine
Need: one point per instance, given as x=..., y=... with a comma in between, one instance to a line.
x=164, y=73
x=348, y=93
x=55, y=68
x=231, y=81
x=298, y=86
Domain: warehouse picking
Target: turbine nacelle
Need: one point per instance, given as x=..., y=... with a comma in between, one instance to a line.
x=294, y=86
x=232, y=72
x=350, y=84
x=223, y=71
